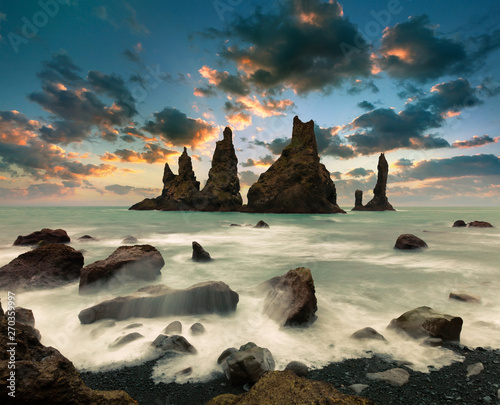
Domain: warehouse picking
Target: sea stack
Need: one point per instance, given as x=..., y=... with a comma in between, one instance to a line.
x=222, y=191
x=379, y=202
x=297, y=182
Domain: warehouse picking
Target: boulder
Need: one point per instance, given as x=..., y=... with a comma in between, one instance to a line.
x=261, y=224
x=160, y=300
x=226, y=353
x=138, y=262
x=285, y=388
x=47, y=235
x=396, y=377
x=175, y=344
x=408, y=241
x=459, y=224
x=44, y=376
x=367, y=334
x=173, y=328
x=133, y=325
x=425, y=322
x=358, y=200
x=298, y=368
x=26, y=317
x=197, y=329
x=247, y=364
x=130, y=240
x=222, y=190
x=123, y=340
x=292, y=302
x=200, y=254
x=480, y=224
x=48, y=266
x=464, y=298
x=297, y=182
x=86, y=238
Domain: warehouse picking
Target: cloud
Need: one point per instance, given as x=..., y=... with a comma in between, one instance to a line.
x=40, y=190
x=415, y=50
x=153, y=154
x=262, y=161
x=176, y=128
x=267, y=107
x=247, y=178
x=276, y=146
x=132, y=23
x=366, y=105
x=205, y=91
x=457, y=166
x=228, y=83
x=240, y=120
x=304, y=45
x=475, y=142
x=17, y=128
x=124, y=190
x=359, y=172
x=384, y=129
x=403, y=162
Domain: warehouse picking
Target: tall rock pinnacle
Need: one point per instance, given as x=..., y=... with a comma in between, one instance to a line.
x=222, y=191
x=297, y=182
x=379, y=202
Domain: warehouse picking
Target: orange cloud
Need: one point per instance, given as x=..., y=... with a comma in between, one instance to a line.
x=266, y=108
x=239, y=121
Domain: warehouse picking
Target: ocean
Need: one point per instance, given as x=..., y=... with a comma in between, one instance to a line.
x=360, y=281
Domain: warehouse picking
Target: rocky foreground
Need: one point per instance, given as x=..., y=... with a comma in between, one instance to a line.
x=449, y=385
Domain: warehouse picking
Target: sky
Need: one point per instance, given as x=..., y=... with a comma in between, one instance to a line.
x=96, y=96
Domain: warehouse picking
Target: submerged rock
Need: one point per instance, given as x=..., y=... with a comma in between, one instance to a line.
x=292, y=302
x=45, y=376
x=480, y=224
x=379, y=202
x=297, y=182
x=425, y=322
x=175, y=343
x=130, y=240
x=173, y=328
x=285, y=388
x=197, y=329
x=464, y=298
x=459, y=224
x=48, y=266
x=139, y=262
x=200, y=254
x=160, y=300
x=367, y=334
x=46, y=234
x=408, y=241
x=123, y=340
x=86, y=238
x=261, y=224
x=247, y=364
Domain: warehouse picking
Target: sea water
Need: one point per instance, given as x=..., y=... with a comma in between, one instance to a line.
x=360, y=281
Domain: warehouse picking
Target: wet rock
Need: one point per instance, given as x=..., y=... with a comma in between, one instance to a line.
x=425, y=322
x=175, y=343
x=367, y=334
x=261, y=224
x=133, y=326
x=160, y=300
x=292, y=302
x=474, y=369
x=396, y=377
x=433, y=342
x=86, y=238
x=358, y=388
x=226, y=353
x=480, y=224
x=298, y=368
x=459, y=224
x=138, y=262
x=26, y=317
x=297, y=182
x=358, y=200
x=235, y=225
x=185, y=372
x=247, y=364
x=130, y=240
x=45, y=376
x=48, y=266
x=200, y=254
x=222, y=190
x=100, y=329
x=123, y=340
x=464, y=298
x=197, y=329
x=409, y=241
x=46, y=234
x=173, y=328
x=285, y=388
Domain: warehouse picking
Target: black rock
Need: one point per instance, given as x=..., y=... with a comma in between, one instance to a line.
x=200, y=254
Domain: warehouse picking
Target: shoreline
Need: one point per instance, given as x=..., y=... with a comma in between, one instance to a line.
x=448, y=385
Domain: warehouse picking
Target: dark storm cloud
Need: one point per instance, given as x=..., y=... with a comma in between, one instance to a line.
x=457, y=166
x=178, y=129
x=359, y=172
x=247, y=177
x=64, y=132
x=224, y=81
x=304, y=45
x=384, y=129
x=262, y=161
x=359, y=86
x=415, y=50
x=366, y=105
x=475, y=141
x=60, y=69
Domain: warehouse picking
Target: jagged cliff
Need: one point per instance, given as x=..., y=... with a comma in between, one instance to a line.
x=379, y=202
x=181, y=192
x=297, y=182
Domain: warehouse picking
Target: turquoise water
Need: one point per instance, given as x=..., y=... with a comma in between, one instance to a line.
x=360, y=280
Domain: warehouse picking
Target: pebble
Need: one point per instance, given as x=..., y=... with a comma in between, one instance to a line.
x=474, y=369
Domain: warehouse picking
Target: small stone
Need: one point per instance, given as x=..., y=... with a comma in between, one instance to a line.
x=459, y=224
x=487, y=399
x=474, y=369
x=133, y=325
x=358, y=388
x=396, y=377
x=298, y=368
x=367, y=333
x=197, y=329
